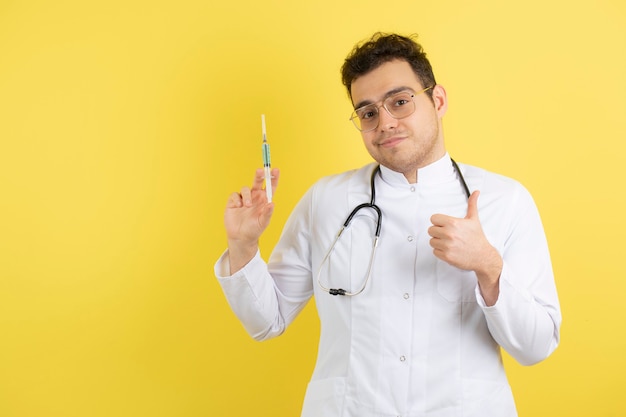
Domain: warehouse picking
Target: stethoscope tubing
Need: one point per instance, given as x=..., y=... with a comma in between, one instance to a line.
x=371, y=205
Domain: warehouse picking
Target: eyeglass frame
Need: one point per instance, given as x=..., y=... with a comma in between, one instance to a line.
x=383, y=105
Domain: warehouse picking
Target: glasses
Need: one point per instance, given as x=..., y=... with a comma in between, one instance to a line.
x=398, y=106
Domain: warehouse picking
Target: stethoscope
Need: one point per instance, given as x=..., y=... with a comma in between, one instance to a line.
x=379, y=218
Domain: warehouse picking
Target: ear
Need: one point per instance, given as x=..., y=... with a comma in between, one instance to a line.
x=440, y=99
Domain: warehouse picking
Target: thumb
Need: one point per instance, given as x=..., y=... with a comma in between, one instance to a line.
x=472, y=206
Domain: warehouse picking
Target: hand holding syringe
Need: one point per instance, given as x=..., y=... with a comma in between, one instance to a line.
x=248, y=214
x=267, y=164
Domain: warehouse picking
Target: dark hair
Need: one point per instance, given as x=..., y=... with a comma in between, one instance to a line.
x=382, y=48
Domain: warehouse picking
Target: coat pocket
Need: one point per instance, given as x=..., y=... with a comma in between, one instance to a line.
x=324, y=397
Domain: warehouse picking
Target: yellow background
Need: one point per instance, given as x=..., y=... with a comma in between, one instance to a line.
x=124, y=125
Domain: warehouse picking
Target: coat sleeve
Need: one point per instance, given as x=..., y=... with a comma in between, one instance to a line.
x=526, y=318
x=267, y=297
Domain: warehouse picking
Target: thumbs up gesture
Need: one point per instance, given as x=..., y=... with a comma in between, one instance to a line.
x=462, y=243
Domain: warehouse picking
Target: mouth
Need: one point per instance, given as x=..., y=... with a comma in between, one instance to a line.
x=390, y=142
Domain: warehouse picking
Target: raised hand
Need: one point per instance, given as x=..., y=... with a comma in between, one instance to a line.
x=462, y=243
x=247, y=215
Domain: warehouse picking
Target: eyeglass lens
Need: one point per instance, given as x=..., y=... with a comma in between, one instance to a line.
x=398, y=106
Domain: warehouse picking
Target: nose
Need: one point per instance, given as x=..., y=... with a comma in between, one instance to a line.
x=385, y=120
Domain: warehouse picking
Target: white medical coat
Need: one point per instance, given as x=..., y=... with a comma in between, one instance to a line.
x=419, y=341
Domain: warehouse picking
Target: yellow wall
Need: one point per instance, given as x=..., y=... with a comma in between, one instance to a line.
x=124, y=126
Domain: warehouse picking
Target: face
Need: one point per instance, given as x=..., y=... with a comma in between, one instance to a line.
x=406, y=144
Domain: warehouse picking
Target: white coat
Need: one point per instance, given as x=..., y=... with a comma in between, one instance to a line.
x=419, y=340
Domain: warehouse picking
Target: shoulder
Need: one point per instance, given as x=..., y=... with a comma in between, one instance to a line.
x=339, y=190
x=332, y=195
x=481, y=179
x=348, y=181
x=497, y=189
x=357, y=174
x=506, y=207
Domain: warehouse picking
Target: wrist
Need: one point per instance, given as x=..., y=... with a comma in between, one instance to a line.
x=489, y=277
x=240, y=254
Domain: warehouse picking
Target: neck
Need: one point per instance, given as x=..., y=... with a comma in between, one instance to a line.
x=412, y=176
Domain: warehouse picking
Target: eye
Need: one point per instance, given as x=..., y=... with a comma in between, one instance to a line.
x=366, y=113
x=402, y=100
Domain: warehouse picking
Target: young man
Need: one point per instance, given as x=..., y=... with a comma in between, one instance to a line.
x=439, y=266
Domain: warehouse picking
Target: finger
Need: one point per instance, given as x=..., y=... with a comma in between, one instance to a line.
x=234, y=201
x=246, y=196
x=435, y=243
x=472, y=206
x=259, y=177
x=440, y=219
x=435, y=231
x=266, y=215
x=441, y=254
x=441, y=232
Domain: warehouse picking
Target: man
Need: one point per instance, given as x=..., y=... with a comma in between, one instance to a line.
x=413, y=314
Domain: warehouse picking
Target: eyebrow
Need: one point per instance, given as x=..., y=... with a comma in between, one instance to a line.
x=387, y=95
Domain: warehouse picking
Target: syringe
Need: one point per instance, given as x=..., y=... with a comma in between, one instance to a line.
x=267, y=165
